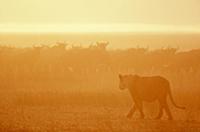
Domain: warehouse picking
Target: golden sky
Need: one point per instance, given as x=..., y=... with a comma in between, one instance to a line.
x=99, y=15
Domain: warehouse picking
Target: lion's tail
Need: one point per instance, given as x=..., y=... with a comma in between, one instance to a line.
x=173, y=102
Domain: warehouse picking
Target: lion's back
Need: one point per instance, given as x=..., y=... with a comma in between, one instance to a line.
x=153, y=87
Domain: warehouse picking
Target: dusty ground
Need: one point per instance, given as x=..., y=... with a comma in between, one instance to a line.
x=46, y=111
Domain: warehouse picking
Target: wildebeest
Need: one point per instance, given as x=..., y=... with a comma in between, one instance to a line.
x=148, y=89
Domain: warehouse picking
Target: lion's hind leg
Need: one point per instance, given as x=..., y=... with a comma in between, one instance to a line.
x=167, y=110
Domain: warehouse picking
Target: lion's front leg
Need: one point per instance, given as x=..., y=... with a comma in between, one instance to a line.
x=131, y=112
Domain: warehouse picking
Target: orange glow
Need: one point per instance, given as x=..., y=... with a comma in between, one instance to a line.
x=99, y=65
x=99, y=16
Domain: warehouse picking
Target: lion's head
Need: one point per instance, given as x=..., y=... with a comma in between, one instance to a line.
x=127, y=81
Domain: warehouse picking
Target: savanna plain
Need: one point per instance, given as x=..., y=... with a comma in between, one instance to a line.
x=66, y=87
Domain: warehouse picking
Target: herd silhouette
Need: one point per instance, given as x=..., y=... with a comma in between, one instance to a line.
x=94, y=66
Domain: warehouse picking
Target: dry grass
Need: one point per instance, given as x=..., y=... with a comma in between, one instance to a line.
x=62, y=110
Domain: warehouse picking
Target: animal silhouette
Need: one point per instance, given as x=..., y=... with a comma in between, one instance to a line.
x=148, y=89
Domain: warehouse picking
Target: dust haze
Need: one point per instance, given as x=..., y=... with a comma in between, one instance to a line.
x=67, y=86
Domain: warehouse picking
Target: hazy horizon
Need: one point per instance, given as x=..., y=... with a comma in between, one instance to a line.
x=100, y=16
x=182, y=41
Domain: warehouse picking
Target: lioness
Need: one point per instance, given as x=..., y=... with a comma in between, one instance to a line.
x=148, y=89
